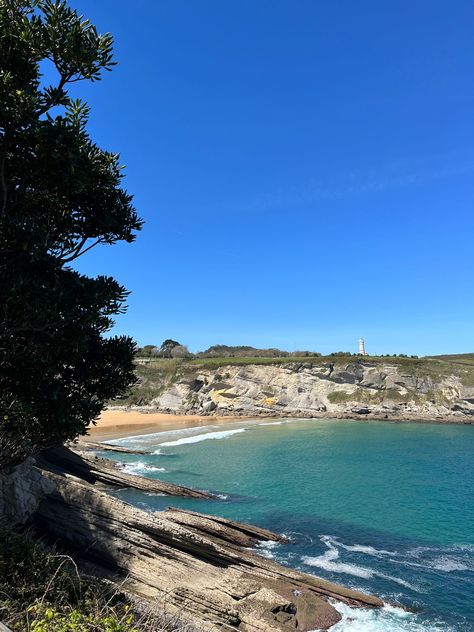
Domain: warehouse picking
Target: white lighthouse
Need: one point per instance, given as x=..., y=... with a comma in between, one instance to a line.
x=362, y=350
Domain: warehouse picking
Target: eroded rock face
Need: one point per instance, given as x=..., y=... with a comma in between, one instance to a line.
x=21, y=490
x=199, y=565
x=332, y=389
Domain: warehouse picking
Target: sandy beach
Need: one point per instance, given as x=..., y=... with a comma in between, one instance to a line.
x=114, y=424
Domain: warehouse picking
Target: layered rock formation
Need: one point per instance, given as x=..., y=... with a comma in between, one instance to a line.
x=340, y=388
x=94, y=469
x=193, y=565
x=189, y=564
x=105, y=447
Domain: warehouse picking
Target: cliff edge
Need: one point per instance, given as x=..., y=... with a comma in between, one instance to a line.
x=381, y=388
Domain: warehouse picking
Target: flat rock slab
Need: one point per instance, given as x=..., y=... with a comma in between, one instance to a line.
x=94, y=469
x=230, y=531
x=104, y=447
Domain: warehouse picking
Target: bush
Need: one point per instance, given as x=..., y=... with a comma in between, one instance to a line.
x=43, y=591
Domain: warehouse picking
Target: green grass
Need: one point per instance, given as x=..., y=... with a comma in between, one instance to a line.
x=42, y=590
x=154, y=377
x=215, y=363
x=340, y=397
x=460, y=357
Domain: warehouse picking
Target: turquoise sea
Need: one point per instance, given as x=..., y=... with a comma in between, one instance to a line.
x=386, y=508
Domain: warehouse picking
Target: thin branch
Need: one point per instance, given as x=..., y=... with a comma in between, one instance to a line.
x=79, y=254
x=60, y=86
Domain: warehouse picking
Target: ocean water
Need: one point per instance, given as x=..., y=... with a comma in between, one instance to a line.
x=381, y=507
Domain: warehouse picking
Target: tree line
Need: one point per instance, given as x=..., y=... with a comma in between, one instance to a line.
x=170, y=348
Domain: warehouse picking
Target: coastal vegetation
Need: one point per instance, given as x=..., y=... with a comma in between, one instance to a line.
x=172, y=349
x=42, y=590
x=60, y=196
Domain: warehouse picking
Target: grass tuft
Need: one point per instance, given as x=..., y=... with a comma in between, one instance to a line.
x=43, y=591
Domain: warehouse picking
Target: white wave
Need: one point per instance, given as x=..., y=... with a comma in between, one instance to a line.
x=386, y=619
x=223, y=434
x=154, y=437
x=271, y=423
x=328, y=562
x=266, y=549
x=139, y=467
x=357, y=548
x=368, y=550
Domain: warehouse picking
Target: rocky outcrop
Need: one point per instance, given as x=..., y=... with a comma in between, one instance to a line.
x=94, y=469
x=313, y=389
x=191, y=564
x=228, y=530
x=186, y=563
x=21, y=490
x=104, y=447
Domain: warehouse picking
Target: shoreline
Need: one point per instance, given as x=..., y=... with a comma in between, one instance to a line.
x=118, y=423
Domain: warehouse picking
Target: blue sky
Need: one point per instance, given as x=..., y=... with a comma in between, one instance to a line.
x=305, y=169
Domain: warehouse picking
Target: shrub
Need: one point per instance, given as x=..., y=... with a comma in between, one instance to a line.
x=43, y=591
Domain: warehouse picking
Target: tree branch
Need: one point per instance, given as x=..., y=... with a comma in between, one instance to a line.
x=77, y=252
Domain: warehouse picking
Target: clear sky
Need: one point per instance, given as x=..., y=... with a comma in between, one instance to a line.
x=305, y=169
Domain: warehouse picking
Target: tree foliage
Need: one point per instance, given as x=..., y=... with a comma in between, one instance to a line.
x=60, y=195
x=167, y=347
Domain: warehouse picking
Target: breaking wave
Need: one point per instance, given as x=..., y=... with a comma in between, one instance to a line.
x=139, y=467
x=223, y=434
x=267, y=549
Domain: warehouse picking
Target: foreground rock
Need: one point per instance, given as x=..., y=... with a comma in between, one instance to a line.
x=193, y=564
x=94, y=469
x=228, y=530
x=104, y=447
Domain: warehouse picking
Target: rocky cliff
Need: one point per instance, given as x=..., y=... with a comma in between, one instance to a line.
x=425, y=389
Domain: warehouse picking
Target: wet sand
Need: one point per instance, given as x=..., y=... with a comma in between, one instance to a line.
x=115, y=424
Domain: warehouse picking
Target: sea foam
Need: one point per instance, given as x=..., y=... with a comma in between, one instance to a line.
x=386, y=619
x=328, y=561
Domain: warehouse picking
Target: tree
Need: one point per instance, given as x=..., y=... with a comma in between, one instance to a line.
x=180, y=351
x=60, y=195
x=167, y=347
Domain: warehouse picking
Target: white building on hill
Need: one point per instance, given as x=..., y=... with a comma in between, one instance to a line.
x=362, y=350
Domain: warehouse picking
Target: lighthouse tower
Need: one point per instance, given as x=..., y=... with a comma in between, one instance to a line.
x=362, y=350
